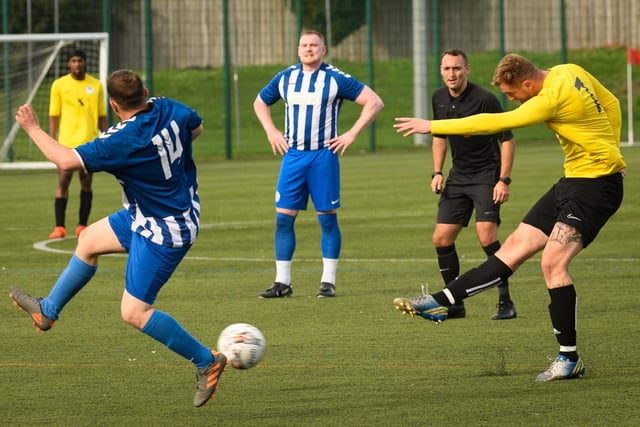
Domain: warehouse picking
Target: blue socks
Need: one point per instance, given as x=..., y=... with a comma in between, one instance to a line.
x=331, y=240
x=160, y=326
x=72, y=279
x=285, y=237
x=164, y=328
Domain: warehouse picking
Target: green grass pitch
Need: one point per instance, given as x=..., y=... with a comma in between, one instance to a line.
x=350, y=360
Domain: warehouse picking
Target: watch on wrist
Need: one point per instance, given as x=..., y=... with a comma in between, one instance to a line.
x=505, y=179
x=433, y=174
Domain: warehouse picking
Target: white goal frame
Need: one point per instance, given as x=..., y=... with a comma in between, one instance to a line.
x=62, y=40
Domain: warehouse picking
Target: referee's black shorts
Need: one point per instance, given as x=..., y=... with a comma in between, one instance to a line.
x=583, y=203
x=458, y=201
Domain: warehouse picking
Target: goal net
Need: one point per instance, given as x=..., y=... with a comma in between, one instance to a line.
x=30, y=64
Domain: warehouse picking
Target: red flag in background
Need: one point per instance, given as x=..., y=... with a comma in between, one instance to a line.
x=633, y=56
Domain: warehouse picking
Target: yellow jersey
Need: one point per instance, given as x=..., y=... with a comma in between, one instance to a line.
x=583, y=114
x=78, y=104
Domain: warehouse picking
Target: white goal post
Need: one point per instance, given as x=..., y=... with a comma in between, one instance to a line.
x=30, y=63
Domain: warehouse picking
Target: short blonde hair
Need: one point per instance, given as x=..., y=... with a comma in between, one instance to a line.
x=312, y=32
x=513, y=69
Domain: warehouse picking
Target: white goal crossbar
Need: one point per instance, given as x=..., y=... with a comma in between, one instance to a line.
x=60, y=40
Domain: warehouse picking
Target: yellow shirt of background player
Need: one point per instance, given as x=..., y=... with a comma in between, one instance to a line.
x=583, y=114
x=78, y=103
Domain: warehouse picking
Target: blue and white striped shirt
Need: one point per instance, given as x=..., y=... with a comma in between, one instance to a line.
x=312, y=103
x=150, y=155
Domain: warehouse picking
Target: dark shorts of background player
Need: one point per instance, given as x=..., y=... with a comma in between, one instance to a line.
x=458, y=202
x=583, y=203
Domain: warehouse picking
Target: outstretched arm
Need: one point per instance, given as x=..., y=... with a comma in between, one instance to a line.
x=408, y=126
x=536, y=110
x=62, y=156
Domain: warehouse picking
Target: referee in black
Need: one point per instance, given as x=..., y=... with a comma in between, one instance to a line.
x=479, y=177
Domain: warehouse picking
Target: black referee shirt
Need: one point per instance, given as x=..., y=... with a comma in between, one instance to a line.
x=470, y=154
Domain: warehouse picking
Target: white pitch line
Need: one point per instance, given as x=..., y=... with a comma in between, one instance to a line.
x=44, y=247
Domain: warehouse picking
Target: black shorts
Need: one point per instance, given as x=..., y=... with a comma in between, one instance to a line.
x=458, y=202
x=583, y=203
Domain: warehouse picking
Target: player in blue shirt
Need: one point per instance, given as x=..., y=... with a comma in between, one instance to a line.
x=150, y=154
x=313, y=92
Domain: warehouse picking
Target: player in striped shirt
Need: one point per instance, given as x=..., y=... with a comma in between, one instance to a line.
x=150, y=154
x=313, y=92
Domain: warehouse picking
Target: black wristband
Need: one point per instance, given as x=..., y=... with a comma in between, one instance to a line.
x=433, y=174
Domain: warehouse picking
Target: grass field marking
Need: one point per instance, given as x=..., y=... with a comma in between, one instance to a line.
x=44, y=247
x=307, y=217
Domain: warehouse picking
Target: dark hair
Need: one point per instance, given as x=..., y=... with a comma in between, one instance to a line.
x=126, y=89
x=456, y=52
x=76, y=52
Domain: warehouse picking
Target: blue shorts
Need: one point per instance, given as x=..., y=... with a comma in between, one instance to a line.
x=305, y=174
x=149, y=265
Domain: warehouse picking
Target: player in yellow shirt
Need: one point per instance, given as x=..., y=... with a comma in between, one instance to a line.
x=586, y=119
x=77, y=114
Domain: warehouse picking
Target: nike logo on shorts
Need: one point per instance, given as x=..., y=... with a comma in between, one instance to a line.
x=572, y=216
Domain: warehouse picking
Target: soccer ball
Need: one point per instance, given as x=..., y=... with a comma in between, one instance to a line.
x=243, y=344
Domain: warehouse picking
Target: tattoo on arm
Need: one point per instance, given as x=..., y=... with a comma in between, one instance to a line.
x=563, y=234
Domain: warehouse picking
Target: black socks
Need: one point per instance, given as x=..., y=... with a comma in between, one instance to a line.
x=503, y=288
x=448, y=263
x=563, y=312
x=487, y=275
x=60, y=207
x=85, y=207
